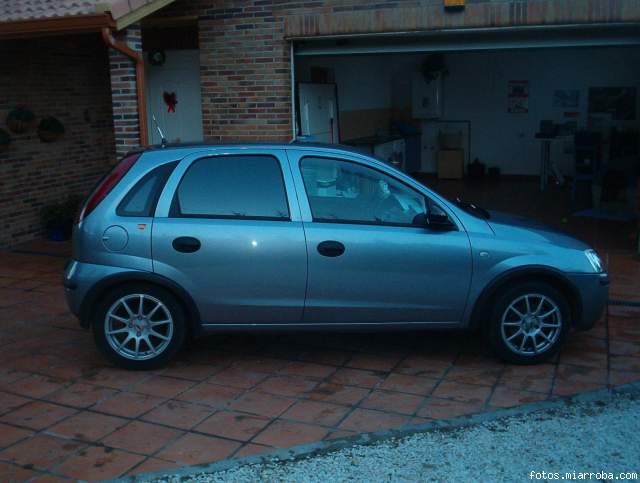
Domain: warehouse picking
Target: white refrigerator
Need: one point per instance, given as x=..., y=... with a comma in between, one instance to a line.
x=318, y=105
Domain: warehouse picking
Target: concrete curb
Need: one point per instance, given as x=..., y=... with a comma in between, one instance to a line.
x=323, y=447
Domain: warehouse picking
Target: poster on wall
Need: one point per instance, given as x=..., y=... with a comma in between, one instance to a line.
x=619, y=102
x=518, y=97
x=566, y=98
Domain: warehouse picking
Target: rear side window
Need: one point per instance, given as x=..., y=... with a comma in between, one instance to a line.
x=248, y=186
x=143, y=197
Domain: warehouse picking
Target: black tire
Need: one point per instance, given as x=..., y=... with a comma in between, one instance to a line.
x=172, y=345
x=503, y=301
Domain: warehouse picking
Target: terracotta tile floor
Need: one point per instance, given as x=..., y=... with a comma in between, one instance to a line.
x=65, y=413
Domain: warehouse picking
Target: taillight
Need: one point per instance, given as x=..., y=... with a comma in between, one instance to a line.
x=107, y=184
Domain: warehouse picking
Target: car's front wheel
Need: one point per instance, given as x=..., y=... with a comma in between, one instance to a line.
x=529, y=323
x=139, y=326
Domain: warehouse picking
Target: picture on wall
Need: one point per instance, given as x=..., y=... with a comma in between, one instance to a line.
x=619, y=102
x=518, y=88
x=566, y=98
x=518, y=97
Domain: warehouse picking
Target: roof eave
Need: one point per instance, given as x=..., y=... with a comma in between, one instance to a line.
x=57, y=25
x=140, y=13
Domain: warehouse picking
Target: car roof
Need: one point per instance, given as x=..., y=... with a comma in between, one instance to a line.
x=267, y=145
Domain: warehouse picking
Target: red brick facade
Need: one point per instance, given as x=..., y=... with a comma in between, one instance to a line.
x=65, y=77
x=122, y=70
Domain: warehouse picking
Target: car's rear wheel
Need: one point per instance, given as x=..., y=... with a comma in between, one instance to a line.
x=529, y=323
x=139, y=326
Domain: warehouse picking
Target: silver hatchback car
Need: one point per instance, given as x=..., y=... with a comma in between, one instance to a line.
x=183, y=240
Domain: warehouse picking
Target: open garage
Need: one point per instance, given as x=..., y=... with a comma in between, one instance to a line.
x=541, y=123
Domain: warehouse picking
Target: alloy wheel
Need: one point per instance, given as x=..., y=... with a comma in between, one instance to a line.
x=531, y=324
x=138, y=327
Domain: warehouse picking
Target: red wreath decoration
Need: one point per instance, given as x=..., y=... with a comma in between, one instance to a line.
x=170, y=100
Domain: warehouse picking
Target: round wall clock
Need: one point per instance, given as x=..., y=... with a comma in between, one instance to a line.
x=157, y=57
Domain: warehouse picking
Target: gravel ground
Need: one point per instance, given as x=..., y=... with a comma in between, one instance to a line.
x=587, y=437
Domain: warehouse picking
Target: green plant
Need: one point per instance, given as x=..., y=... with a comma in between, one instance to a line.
x=61, y=213
x=72, y=204
x=433, y=67
x=20, y=119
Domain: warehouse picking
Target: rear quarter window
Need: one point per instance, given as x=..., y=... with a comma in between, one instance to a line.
x=141, y=200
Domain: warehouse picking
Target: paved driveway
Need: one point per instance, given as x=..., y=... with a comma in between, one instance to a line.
x=64, y=412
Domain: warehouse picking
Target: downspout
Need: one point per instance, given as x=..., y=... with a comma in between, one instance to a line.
x=294, y=121
x=140, y=94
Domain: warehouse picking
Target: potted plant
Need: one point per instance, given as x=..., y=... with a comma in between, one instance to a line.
x=50, y=129
x=5, y=140
x=433, y=67
x=57, y=218
x=20, y=119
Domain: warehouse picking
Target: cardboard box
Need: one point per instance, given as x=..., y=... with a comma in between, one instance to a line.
x=450, y=140
x=451, y=164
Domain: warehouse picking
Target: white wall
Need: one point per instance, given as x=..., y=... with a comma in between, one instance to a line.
x=363, y=81
x=476, y=90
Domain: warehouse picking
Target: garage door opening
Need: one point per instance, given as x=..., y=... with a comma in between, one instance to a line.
x=548, y=131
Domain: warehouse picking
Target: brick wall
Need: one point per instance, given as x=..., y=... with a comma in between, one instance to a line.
x=65, y=77
x=245, y=65
x=122, y=69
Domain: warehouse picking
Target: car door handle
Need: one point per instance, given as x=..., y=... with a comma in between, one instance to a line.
x=186, y=244
x=330, y=248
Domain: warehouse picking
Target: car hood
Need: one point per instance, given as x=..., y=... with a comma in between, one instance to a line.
x=518, y=227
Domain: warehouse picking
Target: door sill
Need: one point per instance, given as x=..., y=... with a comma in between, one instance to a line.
x=338, y=326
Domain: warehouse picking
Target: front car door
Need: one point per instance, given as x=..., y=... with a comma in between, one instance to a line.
x=228, y=230
x=372, y=259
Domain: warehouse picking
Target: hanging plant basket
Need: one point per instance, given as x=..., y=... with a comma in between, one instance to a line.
x=5, y=140
x=20, y=120
x=433, y=67
x=50, y=130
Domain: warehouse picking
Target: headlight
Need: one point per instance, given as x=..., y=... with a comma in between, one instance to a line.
x=594, y=260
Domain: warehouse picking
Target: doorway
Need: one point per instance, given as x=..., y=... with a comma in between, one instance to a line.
x=172, y=70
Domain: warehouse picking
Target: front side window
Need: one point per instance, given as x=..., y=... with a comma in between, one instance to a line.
x=249, y=186
x=345, y=192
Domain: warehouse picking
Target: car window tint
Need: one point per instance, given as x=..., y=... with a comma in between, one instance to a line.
x=143, y=197
x=233, y=187
x=341, y=191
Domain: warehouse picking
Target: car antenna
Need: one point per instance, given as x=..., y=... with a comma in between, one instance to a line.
x=163, y=140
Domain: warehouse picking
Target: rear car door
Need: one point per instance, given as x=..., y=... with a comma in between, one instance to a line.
x=372, y=259
x=228, y=230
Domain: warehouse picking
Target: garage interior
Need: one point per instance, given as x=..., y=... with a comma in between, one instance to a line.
x=543, y=124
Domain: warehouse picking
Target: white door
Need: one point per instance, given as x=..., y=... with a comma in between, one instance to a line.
x=178, y=78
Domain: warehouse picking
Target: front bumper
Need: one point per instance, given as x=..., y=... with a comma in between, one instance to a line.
x=592, y=290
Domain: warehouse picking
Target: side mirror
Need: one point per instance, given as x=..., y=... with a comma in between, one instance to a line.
x=439, y=222
x=437, y=218
x=434, y=221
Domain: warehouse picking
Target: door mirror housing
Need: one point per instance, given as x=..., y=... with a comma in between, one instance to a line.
x=440, y=222
x=434, y=219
